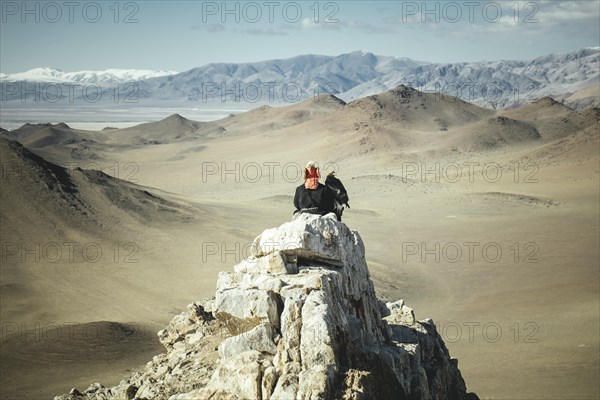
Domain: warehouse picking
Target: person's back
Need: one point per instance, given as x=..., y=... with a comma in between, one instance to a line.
x=313, y=197
x=316, y=201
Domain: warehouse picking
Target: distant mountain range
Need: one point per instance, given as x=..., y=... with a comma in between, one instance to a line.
x=109, y=76
x=492, y=84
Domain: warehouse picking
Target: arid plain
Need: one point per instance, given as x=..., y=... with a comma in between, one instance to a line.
x=485, y=221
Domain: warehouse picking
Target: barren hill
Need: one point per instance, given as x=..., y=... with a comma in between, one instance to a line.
x=407, y=108
x=71, y=254
x=59, y=142
x=492, y=134
x=418, y=193
x=267, y=119
x=172, y=128
x=552, y=119
x=75, y=197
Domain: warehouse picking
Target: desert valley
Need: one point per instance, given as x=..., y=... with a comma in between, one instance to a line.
x=486, y=221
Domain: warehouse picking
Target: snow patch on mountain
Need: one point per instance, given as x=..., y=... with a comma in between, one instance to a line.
x=109, y=76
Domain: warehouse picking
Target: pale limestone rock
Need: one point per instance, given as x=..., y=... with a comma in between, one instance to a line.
x=288, y=348
x=239, y=377
x=260, y=339
x=248, y=304
x=287, y=384
x=298, y=319
x=316, y=383
x=399, y=313
x=306, y=236
x=268, y=383
x=317, y=346
x=273, y=263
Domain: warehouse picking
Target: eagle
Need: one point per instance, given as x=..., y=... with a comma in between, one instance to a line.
x=341, y=195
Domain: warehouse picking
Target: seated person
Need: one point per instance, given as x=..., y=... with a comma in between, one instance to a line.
x=312, y=196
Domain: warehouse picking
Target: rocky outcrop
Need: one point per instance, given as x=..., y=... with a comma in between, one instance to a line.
x=299, y=319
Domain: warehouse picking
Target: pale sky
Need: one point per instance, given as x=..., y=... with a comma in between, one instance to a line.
x=180, y=35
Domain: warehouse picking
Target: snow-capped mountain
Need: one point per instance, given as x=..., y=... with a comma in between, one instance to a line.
x=109, y=76
x=285, y=80
x=349, y=76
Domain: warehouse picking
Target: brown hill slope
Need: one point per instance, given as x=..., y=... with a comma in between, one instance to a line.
x=552, y=119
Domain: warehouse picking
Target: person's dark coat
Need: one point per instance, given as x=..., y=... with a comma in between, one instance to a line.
x=315, y=201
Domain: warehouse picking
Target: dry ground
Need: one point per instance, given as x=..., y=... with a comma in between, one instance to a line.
x=506, y=265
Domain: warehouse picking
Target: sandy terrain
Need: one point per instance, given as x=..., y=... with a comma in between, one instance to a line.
x=485, y=221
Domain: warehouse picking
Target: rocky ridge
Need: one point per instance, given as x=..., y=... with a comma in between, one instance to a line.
x=298, y=319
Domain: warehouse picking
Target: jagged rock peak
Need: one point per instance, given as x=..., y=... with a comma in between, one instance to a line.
x=329, y=98
x=175, y=117
x=403, y=89
x=298, y=319
x=545, y=101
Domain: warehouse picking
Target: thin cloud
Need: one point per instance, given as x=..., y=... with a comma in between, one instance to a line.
x=368, y=28
x=310, y=24
x=211, y=28
x=354, y=25
x=520, y=17
x=558, y=12
x=263, y=32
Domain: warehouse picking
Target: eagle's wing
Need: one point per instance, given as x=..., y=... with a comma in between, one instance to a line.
x=337, y=185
